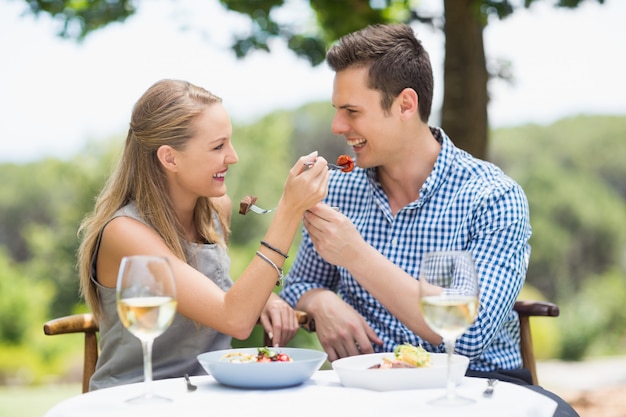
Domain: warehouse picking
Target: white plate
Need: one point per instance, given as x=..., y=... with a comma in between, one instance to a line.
x=353, y=372
x=263, y=374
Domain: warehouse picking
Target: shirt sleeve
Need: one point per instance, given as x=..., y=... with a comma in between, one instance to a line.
x=308, y=271
x=500, y=233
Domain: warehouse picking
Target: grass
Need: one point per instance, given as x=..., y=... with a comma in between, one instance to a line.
x=34, y=401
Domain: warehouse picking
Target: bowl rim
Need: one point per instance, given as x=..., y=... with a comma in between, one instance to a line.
x=214, y=356
x=344, y=364
x=255, y=374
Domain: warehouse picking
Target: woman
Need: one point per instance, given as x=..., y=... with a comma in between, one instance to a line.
x=167, y=197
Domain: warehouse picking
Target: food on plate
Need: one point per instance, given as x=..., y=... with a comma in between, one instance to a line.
x=263, y=355
x=346, y=162
x=246, y=202
x=405, y=356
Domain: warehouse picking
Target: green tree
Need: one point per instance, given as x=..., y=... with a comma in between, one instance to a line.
x=311, y=132
x=570, y=173
x=41, y=208
x=464, y=110
x=264, y=160
x=23, y=301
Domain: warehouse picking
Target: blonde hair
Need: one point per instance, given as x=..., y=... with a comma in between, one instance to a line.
x=164, y=115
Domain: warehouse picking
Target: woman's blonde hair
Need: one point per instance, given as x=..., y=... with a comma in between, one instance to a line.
x=164, y=115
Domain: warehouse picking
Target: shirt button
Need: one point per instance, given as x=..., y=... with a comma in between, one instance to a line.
x=394, y=242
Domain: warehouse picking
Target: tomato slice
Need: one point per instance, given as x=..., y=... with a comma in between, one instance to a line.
x=283, y=357
x=268, y=355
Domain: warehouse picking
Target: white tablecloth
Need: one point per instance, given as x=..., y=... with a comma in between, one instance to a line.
x=322, y=396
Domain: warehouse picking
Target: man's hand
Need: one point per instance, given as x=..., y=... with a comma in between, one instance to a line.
x=334, y=236
x=279, y=320
x=341, y=330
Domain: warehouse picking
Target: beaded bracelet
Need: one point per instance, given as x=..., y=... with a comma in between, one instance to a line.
x=281, y=275
x=278, y=251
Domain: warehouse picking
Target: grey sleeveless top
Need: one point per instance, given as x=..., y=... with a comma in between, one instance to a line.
x=174, y=352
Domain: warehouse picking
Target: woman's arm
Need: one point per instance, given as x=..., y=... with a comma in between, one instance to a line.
x=234, y=312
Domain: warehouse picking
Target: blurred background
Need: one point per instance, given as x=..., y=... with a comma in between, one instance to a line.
x=541, y=95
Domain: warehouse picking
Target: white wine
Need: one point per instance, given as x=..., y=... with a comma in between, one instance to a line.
x=449, y=315
x=146, y=317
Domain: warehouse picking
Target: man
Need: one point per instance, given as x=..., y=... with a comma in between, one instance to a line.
x=412, y=192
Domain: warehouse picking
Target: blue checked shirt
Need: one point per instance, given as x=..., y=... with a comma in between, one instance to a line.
x=465, y=204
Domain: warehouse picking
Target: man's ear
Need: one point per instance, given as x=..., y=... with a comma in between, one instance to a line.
x=408, y=101
x=167, y=157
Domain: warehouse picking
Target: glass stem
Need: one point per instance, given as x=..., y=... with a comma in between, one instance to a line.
x=146, y=346
x=451, y=388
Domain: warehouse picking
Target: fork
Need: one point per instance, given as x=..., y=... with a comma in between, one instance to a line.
x=488, y=392
x=330, y=166
x=259, y=210
x=190, y=387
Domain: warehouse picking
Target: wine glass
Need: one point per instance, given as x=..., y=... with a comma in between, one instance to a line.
x=146, y=305
x=449, y=304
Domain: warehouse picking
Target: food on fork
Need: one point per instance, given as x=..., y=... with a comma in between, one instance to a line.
x=406, y=356
x=346, y=162
x=246, y=202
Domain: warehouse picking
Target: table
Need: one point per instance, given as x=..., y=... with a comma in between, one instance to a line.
x=322, y=395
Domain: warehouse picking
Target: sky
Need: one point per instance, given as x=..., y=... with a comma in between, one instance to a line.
x=56, y=95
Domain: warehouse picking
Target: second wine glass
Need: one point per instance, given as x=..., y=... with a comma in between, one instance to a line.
x=146, y=305
x=449, y=292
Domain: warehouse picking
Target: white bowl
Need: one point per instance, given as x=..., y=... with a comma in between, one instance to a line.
x=353, y=372
x=263, y=374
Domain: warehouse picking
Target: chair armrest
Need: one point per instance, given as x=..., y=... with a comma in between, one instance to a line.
x=305, y=321
x=76, y=323
x=536, y=308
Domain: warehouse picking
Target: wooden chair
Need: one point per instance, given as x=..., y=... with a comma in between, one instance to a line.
x=79, y=323
x=525, y=310
x=84, y=323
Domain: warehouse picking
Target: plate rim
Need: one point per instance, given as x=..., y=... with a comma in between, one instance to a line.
x=411, y=378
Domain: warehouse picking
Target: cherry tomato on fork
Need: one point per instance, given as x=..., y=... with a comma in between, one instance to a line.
x=346, y=162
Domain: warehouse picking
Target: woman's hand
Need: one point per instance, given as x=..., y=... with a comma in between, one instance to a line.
x=306, y=184
x=279, y=320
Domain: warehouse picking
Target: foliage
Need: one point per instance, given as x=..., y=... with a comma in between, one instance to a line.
x=24, y=305
x=465, y=70
x=79, y=18
x=264, y=161
x=41, y=208
x=23, y=301
x=593, y=320
x=311, y=132
x=570, y=174
x=333, y=19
